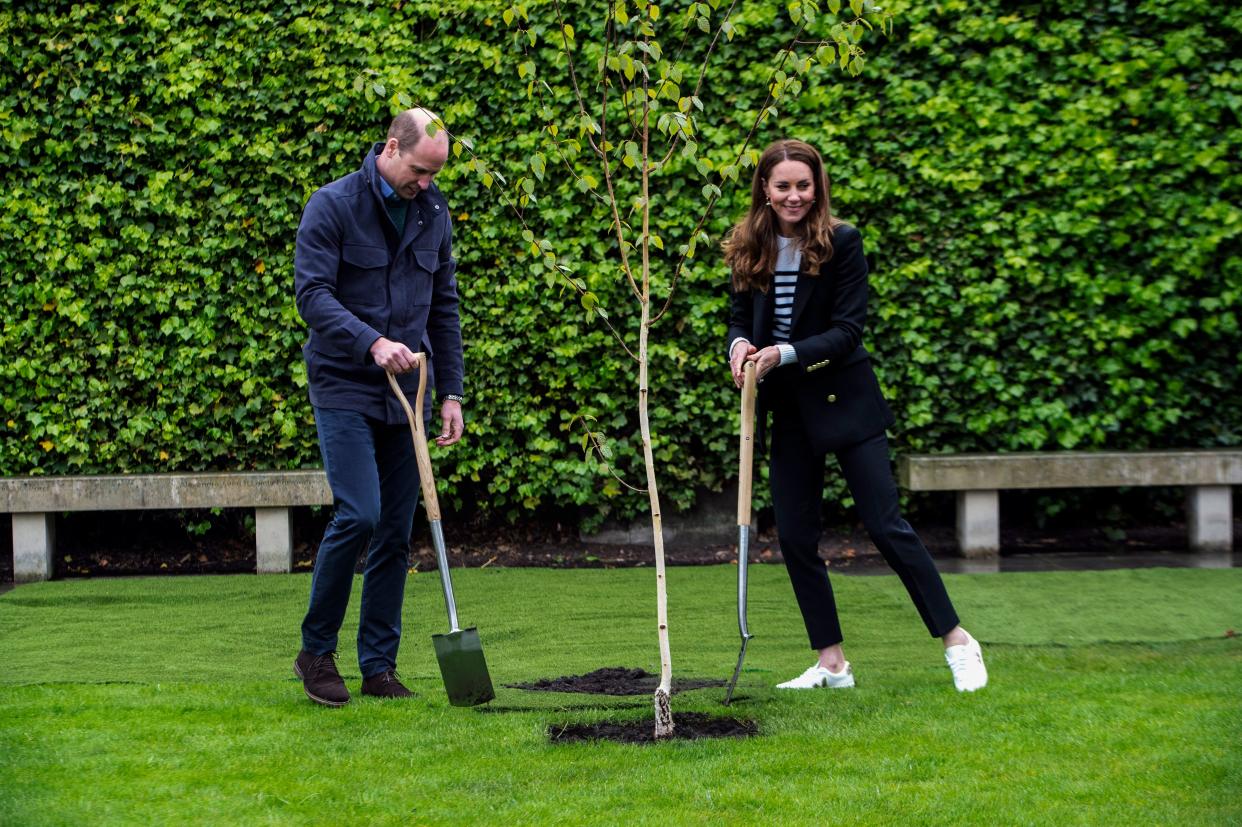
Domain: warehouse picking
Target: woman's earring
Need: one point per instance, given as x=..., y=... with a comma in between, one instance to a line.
x=767, y=202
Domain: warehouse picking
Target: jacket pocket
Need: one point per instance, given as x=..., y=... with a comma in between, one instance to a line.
x=843, y=407
x=423, y=276
x=428, y=260
x=361, y=280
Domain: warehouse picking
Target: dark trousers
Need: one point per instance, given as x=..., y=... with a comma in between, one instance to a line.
x=374, y=479
x=797, y=476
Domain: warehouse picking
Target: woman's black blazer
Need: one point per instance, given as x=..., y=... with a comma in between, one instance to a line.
x=832, y=385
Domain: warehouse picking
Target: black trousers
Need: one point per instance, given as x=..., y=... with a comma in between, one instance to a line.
x=797, y=478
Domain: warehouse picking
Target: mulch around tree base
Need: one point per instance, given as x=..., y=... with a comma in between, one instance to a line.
x=687, y=726
x=613, y=680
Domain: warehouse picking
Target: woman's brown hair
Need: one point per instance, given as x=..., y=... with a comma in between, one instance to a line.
x=750, y=247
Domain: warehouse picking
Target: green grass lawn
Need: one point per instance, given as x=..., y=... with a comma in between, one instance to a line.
x=1116, y=698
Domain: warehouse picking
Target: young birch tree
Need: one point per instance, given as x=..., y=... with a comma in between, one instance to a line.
x=627, y=127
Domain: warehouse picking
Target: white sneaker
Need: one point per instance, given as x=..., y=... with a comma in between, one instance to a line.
x=817, y=677
x=966, y=663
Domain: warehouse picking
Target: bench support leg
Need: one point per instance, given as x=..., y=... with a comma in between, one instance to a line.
x=1209, y=516
x=273, y=536
x=34, y=537
x=978, y=523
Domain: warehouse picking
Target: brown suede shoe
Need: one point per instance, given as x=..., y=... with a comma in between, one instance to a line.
x=385, y=685
x=320, y=680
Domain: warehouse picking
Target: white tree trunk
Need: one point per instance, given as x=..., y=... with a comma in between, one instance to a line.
x=663, y=713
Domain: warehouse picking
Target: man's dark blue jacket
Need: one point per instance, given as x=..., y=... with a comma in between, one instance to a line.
x=356, y=281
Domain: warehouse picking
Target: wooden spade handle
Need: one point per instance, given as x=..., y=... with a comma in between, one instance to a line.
x=746, y=451
x=430, y=502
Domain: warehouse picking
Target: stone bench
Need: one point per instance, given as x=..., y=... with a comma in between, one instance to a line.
x=977, y=478
x=35, y=501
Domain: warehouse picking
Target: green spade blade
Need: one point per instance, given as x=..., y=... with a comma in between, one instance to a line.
x=463, y=667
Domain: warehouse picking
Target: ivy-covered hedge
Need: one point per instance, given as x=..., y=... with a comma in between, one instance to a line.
x=1049, y=193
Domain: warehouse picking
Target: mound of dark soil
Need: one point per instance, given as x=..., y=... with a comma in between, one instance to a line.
x=613, y=680
x=688, y=726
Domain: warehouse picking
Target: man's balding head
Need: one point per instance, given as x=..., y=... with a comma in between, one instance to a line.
x=410, y=127
x=411, y=158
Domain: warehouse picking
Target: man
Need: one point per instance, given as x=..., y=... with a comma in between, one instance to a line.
x=374, y=278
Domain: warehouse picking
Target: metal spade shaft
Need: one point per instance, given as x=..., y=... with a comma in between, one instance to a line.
x=460, y=651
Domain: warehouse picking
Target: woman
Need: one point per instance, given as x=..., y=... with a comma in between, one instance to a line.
x=798, y=307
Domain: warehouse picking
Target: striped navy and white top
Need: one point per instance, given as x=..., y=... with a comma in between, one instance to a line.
x=784, y=281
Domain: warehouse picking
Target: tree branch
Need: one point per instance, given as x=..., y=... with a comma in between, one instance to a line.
x=699, y=84
x=612, y=195
x=573, y=76
x=601, y=450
